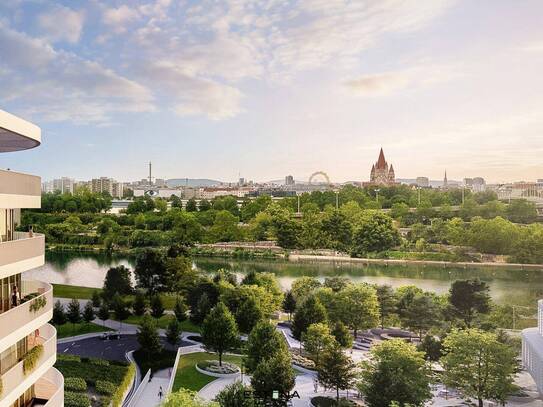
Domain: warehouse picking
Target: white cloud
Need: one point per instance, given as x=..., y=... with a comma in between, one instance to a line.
x=120, y=17
x=62, y=24
x=377, y=84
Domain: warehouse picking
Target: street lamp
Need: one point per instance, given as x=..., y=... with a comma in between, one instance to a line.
x=377, y=194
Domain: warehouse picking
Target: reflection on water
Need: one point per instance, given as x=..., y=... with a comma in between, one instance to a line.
x=506, y=286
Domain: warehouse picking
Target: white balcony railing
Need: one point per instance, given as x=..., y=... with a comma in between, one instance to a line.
x=22, y=253
x=50, y=387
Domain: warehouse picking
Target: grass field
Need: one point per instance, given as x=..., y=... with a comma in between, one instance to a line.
x=78, y=329
x=73, y=291
x=163, y=321
x=189, y=378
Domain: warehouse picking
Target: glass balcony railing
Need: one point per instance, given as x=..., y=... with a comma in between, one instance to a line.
x=22, y=253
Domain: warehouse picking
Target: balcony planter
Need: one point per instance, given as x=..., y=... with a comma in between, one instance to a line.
x=31, y=358
x=38, y=303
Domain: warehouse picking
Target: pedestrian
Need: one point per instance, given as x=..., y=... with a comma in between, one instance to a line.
x=160, y=393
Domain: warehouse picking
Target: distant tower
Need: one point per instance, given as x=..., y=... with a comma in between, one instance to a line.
x=150, y=177
x=445, y=181
x=381, y=173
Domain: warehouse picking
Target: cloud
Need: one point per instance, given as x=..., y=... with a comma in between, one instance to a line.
x=64, y=86
x=536, y=47
x=120, y=17
x=377, y=84
x=62, y=24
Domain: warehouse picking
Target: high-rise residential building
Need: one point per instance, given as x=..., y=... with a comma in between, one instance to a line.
x=26, y=306
x=62, y=185
x=289, y=180
x=160, y=182
x=532, y=345
x=423, y=182
x=381, y=173
x=102, y=184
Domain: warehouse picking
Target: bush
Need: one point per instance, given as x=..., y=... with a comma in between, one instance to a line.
x=105, y=387
x=69, y=358
x=75, y=384
x=299, y=360
x=31, y=358
x=99, y=362
x=72, y=399
x=214, y=367
x=117, y=398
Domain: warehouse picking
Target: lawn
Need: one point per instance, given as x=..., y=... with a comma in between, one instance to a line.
x=78, y=329
x=189, y=378
x=73, y=291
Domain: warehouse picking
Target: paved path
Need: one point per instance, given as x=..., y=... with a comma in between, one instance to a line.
x=150, y=396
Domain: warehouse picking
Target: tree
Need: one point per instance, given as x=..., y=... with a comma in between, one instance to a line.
x=311, y=311
x=342, y=335
x=225, y=227
x=139, y=305
x=180, y=309
x=421, y=314
x=374, y=232
x=387, y=302
x=359, y=306
x=468, y=299
x=149, y=270
x=148, y=338
x=157, y=307
x=336, y=370
x=219, y=330
x=274, y=374
x=289, y=304
x=235, y=395
x=59, y=316
x=249, y=314
x=316, y=339
x=522, y=211
x=304, y=286
x=120, y=309
x=396, y=371
x=191, y=205
x=263, y=342
x=478, y=365
x=96, y=300
x=432, y=348
x=74, y=312
x=88, y=312
x=173, y=331
x=103, y=312
x=337, y=283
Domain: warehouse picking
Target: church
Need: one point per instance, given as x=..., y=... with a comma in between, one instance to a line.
x=381, y=173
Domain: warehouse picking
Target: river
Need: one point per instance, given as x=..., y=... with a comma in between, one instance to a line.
x=507, y=286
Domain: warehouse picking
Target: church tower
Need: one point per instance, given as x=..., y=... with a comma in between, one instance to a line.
x=381, y=173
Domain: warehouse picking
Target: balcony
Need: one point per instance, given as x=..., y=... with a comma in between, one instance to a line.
x=17, y=134
x=28, y=316
x=19, y=190
x=49, y=389
x=16, y=381
x=21, y=254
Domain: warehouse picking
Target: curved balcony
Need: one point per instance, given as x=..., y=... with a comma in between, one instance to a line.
x=50, y=389
x=28, y=316
x=17, y=134
x=16, y=381
x=18, y=190
x=21, y=254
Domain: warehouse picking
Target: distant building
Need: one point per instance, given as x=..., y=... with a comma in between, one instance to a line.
x=62, y=185
x=160, y=182
x=241, y=182
x=381, y=173
x=445, y=181
x=102, y=184
x=423, y=182
x=289, y=180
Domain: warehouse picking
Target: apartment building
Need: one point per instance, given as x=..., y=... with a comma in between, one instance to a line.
x=27, y=341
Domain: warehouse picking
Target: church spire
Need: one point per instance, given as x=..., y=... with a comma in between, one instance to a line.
x=381, y=162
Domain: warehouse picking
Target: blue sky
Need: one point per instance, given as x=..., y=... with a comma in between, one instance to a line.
x=267, y=88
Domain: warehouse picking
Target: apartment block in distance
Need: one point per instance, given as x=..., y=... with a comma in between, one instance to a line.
x=27, y=341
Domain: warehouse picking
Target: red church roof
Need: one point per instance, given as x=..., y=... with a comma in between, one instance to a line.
x=381, y=162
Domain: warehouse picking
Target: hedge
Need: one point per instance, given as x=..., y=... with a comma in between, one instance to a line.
x=91, y=372
x=75, y=384
x=31, y=358
x=72, y=399
x=105, y=387
x=99, y=362
x=68, y=357
x=117, y=398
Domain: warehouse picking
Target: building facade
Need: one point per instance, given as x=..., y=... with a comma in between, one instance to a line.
x=532, y=349
x=26, y=306
x=381, y=173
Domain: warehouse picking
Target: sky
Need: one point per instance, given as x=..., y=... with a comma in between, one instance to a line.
x=267, y=88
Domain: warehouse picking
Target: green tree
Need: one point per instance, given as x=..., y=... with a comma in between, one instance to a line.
x=150, y=267
x=96, y=299
x=521, y=211
x=342, y=335
x=139, y=305
x=478, y=365
x=117, y=281
x=157, y=307
x=274, y=374
x=421, y=314
x=304, y=286
x=263, y=342
x=529, y=246
x=219, y=331
x=316, y=339
x=191, y=205
x=310, y=311
x=336, y=370
x=180, y=309
x=493, y=236
x=187, y=398
x=395, y=372
x=103, y=312
x=225, y=227
x=120, y=308
x=236, y=395
x=88, y=312
x=387, y=302
x=359, y=307
x=59, y=316
x=468, y=299
x=432, y=348
x=74, y=312
x=374, y=232
x=148, y=338
x=249, y=314
x=173, y=331
x=289, y=304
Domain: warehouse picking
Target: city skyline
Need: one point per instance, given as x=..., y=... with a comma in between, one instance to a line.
x=267, y=90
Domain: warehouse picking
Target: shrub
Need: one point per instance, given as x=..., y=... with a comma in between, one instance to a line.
x=72, y=399
x=99, y=362
x=117, y=398
x=214, y=367
x=31, y=358
x=105, y=387
x=75, y=384
x=68, y=357
x=302, y=361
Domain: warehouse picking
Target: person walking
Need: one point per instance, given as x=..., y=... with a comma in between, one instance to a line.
x=160, y=393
